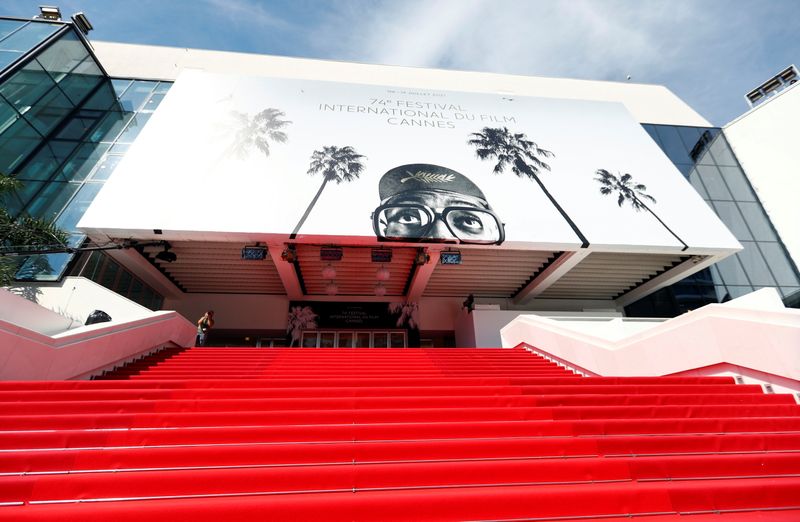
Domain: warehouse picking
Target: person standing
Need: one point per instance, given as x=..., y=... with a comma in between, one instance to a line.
x=204, y=324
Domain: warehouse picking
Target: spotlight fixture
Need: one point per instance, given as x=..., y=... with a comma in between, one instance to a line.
x=289, y=254
x=422, y=257
x=165, y=255
x=49, y=12
x=380, y=290
x=328, y=272
x=82, y=23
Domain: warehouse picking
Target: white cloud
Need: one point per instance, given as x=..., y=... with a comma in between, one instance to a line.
x=685, y=44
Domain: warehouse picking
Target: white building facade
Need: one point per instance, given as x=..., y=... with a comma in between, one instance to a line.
x=142, y=174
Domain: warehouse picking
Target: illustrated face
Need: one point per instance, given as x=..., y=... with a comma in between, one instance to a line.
x=438, y=215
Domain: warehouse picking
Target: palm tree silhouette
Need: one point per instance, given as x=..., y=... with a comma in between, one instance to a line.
x=523, y=156
x=258, y=131
x=633, y=193
x=336, y=164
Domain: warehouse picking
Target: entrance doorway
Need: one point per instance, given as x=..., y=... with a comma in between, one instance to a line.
x=354, y=339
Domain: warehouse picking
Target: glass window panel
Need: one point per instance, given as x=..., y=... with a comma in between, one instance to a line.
x=673, y=145
x=704, y=277
x=362, y=339
x=309, y=340
x=8, y=115
x=153, y=102
x=754, y=265
x=700, y=150
x=685, y=168
x=92, y=268
x=124, y=283
x=345, y=340
x=41, y=167
x=737, y=183
x=47, y=267
x=16, y=143
x=79, y=125
x=790, y=291
x=162, y=87
x=120, y=86
x=690, y=136
x=739, y=291
x=8, y=57
x=780, y=264
x=380, y=339
x=81, y=163
x=47, y=161
x=108, y=277
x=730, y=215
x=731, y=271
x=720, y=292
x=705, y=158
x=694, y=179
x=327, y=339
x=651, y=130
x=49, y=111
x=715, y=277
x=722, y=152
x=712, y=180
x=758, y=221
x=63, y=56
x=12, y=202
x=9, y=26
x=137, y=291
x=397, y=340
x=28, y=190
x=27, y=86
x=68, y=219
x=136, y=94
x=120, y=148
x=78, y=84
x=51, y=200
x=29, y=36
x=103, y=98
x=156, y=302
x=111, y=126
x=106, y=167
x=134, y=127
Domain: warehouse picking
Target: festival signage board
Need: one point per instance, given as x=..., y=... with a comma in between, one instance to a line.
x=332, y=162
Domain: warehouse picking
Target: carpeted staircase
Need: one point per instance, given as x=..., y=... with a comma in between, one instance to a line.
x=219, y=434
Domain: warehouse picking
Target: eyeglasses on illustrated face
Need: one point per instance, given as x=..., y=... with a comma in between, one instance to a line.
x=470, y=225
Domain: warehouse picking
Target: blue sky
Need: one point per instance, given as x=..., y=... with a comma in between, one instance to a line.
x=709, y=52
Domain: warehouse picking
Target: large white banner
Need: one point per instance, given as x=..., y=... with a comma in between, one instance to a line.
x=329, y=161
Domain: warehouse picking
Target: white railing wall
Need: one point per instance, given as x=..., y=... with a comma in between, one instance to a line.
x=37, y=343
x=753, y=336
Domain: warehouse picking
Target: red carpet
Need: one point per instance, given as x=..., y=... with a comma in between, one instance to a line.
x=414, y=434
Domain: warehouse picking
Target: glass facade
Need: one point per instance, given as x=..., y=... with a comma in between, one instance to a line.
x=705, y=158
x=18, y=37
x=64, y=126
x=101, y=269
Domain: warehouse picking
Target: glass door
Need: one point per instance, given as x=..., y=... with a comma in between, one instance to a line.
x=354, y=339
x=345, y=340
x=363, y=339
x=327, y=340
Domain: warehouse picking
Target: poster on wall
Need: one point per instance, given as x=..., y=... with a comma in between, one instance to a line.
x=326, y=161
